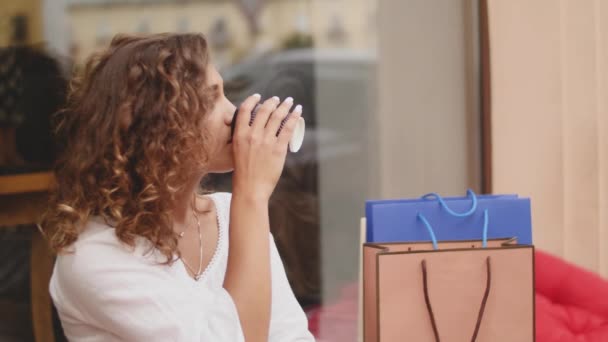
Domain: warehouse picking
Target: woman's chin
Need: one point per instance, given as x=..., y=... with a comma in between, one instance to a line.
x=224, y=169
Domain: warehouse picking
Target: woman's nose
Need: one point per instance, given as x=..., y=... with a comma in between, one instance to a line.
x=229, y=114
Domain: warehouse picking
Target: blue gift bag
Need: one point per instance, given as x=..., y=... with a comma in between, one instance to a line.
x=452, y=218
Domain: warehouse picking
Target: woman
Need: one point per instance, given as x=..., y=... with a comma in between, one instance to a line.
x=143, y=256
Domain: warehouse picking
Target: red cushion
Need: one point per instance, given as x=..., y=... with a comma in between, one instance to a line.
x=571, y=303
x=571, y=306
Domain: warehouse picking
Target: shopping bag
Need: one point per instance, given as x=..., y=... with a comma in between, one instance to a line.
x=455, y=218
x=464, y=290
x=461, y=292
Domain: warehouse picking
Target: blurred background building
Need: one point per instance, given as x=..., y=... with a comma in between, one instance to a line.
x=236, y=29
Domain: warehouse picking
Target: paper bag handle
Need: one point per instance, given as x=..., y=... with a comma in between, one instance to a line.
x=429, y=228
x=481, y=308
x=470, y=193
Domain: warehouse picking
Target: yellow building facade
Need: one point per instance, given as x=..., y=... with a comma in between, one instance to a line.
x=28, y=8
x=330, y=23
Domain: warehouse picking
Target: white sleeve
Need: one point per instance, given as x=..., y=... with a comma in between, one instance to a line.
x=288, y=322
x=133, y=301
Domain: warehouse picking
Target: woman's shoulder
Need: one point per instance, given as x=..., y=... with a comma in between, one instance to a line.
x=98, y=259
x=97, y=237
x=98, y=247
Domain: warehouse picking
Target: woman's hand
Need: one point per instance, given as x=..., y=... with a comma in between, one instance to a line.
x=259, y=154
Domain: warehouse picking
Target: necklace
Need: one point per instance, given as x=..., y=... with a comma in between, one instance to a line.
x=197, y=275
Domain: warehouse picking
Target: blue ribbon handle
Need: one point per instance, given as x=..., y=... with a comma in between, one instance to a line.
x=429, y=228
x=470, y=212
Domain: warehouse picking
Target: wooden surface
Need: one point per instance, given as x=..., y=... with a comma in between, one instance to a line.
x=550, y=120
x=41, y=268
x=25, y=183
x=18, y=209
x=486, y=98
x=23, y=198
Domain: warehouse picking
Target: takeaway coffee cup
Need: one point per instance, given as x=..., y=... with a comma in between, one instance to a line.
x=298, y=135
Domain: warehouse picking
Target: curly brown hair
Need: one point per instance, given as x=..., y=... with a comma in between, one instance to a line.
x=131, y=137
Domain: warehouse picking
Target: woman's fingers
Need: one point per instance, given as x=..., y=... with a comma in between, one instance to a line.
x=290, y=125
x=245, y=109
x=262, y=115
x=277, y=117
x=272, y=121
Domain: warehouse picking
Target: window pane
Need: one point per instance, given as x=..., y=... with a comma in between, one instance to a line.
x=390, y=92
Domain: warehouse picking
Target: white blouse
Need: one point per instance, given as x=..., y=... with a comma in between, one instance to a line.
x=106, y=291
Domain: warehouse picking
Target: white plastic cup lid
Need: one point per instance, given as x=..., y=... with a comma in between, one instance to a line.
x=298, y=136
